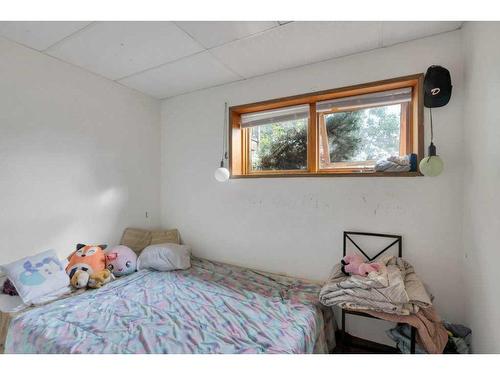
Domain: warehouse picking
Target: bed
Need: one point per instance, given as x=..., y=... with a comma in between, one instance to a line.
x=209, y=308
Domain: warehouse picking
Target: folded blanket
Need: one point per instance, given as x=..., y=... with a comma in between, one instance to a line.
x=394, y=289
x=397, y=164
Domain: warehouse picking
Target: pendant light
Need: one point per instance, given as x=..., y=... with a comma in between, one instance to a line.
x=432, y=165
x=437, y=93
x=222, y=174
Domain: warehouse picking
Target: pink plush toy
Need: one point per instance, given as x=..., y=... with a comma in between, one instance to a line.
x=355, y=265
x=121, y=260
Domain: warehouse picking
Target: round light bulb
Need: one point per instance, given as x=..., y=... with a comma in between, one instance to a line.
x=431, y=166
x=221, y=174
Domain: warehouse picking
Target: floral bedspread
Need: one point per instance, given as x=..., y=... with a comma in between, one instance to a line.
x=209, y=308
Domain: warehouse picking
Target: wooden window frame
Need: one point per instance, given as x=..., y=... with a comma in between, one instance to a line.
x=411, y=135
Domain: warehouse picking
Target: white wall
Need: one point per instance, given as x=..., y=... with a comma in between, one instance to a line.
x=79, y=156
x=294, y=225
x=482, y=182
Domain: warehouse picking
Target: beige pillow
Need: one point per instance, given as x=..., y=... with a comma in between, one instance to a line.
x=136, y=239
x=165, y=236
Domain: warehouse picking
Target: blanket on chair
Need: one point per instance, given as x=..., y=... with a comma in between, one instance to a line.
x=395, y=289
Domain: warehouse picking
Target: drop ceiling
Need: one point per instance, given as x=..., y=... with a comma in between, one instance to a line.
x=164, y=59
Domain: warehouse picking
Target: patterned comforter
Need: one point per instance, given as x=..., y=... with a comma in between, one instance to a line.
x=209, y=308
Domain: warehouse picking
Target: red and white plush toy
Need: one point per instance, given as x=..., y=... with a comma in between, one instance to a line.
x=355, y=265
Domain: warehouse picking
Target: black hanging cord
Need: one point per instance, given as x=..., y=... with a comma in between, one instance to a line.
x=432, y=129
x=432, y=147
x=224, y=137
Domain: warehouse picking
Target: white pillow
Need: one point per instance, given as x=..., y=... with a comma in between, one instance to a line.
x=37, y=276
x=165, y=257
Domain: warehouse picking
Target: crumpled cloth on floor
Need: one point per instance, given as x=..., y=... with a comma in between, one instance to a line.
x=431, y=334
x=459, y=339
x=401, y=335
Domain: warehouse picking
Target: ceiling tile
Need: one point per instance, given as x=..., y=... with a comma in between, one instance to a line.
x=297, y=43
x=215, y=33
x=119, y=49
x=39, y=34
x=397, y=32
x=189, y=74
x=165, y=59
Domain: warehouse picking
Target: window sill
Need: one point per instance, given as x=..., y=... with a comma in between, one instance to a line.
x=329, y=174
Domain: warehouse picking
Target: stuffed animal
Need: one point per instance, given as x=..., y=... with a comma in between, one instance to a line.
x=88, y=258
x=9, y=288
x=80, y=279
x=100, y=278
x=121, y=260
x=355, y=265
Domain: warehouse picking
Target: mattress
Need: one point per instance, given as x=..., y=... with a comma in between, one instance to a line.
x=209, y=308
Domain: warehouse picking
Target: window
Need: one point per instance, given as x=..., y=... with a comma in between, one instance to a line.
x=337, y=132
x=278, y=138
x=357, y=131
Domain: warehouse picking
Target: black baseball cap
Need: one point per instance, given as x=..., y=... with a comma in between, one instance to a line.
x=437, y=86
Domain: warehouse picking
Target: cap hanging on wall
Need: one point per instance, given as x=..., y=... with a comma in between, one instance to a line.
x=437, y=93
x=437, y=87
x=222, y=174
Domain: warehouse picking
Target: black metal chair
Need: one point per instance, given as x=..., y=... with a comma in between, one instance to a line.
x=398, y=241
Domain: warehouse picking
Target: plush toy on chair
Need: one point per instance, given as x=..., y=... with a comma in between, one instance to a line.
x=355, y=265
